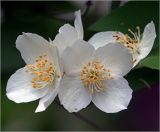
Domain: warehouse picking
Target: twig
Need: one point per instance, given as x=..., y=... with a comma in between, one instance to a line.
x=83, y=118
x=88, y=5
x=88, y=121
x=145, y=83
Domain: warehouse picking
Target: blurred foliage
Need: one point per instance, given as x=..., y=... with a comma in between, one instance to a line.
x=39, y=18
x=129, y=16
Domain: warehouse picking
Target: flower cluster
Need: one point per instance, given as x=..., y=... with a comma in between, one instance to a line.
x=79, y=71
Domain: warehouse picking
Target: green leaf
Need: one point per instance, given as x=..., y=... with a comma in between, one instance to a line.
x=129, y=15
x=151, y=62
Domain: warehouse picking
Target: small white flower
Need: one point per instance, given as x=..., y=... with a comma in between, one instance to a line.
x=95, y=75
x=139, y=48
x=40, y=78
x=68, y=34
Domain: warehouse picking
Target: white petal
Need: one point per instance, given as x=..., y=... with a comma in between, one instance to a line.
x=75, y=57
x=115, y=98
x=148, y=38
x=54, y=58
x=115, y=57
x=66, y=37
x=102, y=38
x=31, y=46
x=136, y=59
x=49, y=97
x=72, y=94
x=19, y=88
x=78, y=24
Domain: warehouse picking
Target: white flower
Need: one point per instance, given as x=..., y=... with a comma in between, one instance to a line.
x=68, y=34
x=33, y=82
x=40, y=78
x=95, y=75
x=139, y=48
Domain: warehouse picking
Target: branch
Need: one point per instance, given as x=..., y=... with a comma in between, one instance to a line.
x=88, y=121
x=88, y=5
x=83, y=118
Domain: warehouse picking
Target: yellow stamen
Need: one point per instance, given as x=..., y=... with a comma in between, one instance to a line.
x=131, y=43
x=43, y=72
x=93, y=74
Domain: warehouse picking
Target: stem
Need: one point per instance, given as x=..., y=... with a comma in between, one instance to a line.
x=83, y=118
x=88, y=5
x=88, y=121
x=145, y=83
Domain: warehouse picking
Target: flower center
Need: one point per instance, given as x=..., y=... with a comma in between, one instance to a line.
x=43, y=71
x=131, y=43
x=93, y=74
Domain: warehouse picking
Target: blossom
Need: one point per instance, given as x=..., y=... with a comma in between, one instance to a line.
x=68, y=34
x=95, y=75
x=138, y=46
x=40, y=78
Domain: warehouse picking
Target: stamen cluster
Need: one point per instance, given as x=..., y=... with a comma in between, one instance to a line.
x=43, y=72
x=93, y=74
x=131, y=43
